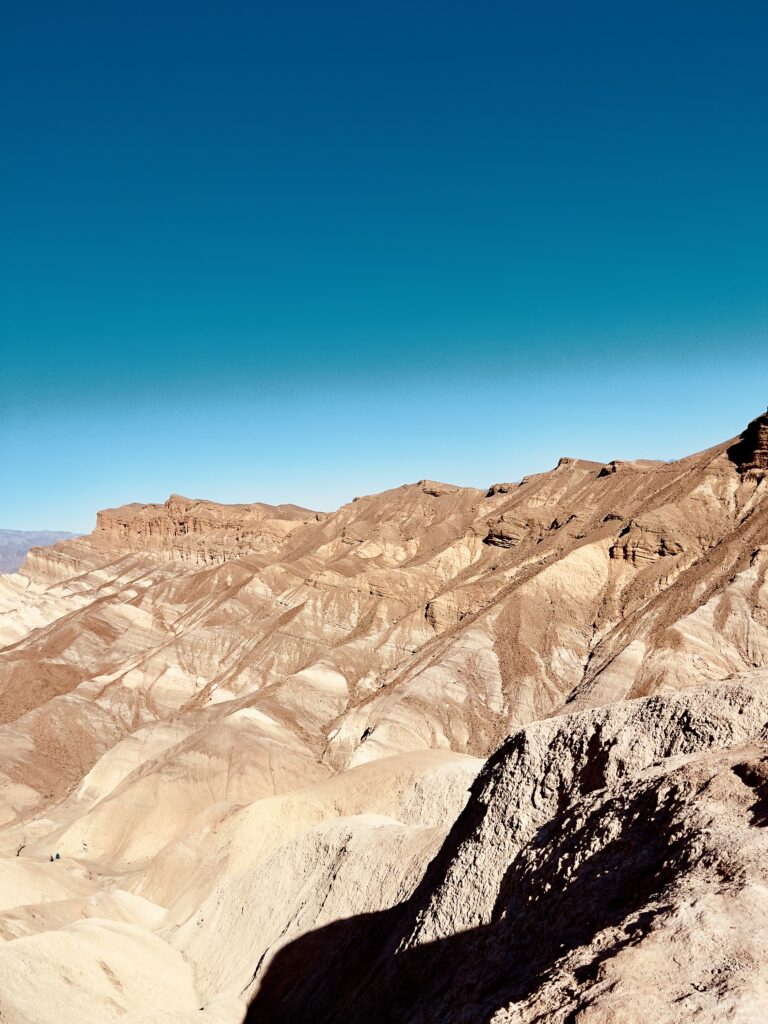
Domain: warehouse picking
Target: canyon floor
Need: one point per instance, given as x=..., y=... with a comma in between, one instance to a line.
x=446, y=754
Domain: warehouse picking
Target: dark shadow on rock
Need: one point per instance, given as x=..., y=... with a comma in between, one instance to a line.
x=749, y=453
x=355, y=971
x=755, y=775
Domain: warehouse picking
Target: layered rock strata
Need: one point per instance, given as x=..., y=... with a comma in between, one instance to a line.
x=249, y=731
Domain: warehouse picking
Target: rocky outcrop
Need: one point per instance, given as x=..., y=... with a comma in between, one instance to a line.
x=501, y=488
x=200, y=532
x=750, y=452
x=607, y=864
x=511, y=529
x=436, y=490
x=642, y=544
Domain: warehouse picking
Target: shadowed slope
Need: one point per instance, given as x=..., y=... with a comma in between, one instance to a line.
x=586, y=845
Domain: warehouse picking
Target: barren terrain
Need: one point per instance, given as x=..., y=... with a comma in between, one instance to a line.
x=444, y=754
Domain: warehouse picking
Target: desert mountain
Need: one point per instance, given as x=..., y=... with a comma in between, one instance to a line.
x=14, y=545
x=446, y=753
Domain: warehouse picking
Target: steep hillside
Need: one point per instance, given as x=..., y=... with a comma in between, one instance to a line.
x=610, y=866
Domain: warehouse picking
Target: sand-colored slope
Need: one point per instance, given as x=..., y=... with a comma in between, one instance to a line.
x=93, y=971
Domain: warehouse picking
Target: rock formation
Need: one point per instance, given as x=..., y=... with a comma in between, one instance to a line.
x=200, y=532
x=610, y=865
x=446, y=753
x=750, y=452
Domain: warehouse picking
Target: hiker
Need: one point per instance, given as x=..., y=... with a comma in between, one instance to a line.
x=51, y=858
x=58, y=856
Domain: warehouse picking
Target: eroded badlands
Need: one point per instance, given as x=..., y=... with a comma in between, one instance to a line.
x=445, y=754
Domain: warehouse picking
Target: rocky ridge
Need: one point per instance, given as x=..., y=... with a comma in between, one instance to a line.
x=200, y=532
x=610, y=865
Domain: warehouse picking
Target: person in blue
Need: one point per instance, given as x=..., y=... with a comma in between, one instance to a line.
x=58, y=856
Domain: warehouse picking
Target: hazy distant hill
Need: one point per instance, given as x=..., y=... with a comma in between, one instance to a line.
x=14, y=545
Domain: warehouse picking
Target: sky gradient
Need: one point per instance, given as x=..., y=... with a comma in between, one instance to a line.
x=300, y=252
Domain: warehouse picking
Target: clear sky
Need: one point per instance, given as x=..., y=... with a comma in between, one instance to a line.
x=303, y=251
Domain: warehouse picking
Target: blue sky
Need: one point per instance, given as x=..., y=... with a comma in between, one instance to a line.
x=305, y=251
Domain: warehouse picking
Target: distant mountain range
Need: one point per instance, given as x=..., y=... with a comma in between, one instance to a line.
x=14, y=545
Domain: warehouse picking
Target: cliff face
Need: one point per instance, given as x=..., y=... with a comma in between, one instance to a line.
x=199, y=532
x=750, y=453
x=242, y=724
